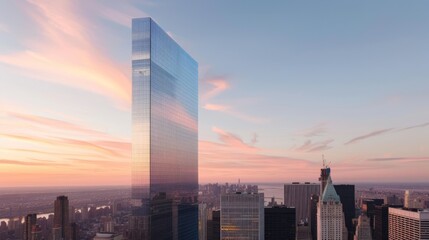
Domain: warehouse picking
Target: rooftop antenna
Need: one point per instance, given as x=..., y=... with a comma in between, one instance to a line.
x=324, y=162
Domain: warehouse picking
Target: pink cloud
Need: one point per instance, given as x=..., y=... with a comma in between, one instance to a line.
x=55, y=123
x=65, y=54
x=231, y=140
x=218, y=85
x=232, y=158
x=310, y=146
x=215, y=107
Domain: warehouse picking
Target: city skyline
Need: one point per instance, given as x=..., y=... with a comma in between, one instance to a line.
x=352, y=86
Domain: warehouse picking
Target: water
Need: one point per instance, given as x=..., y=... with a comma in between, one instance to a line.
x=270, y=190
x=40, y=215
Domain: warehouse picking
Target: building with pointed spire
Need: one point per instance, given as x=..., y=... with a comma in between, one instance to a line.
x=330, y=216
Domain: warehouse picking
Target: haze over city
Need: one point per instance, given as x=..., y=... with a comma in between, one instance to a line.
x=278, y=87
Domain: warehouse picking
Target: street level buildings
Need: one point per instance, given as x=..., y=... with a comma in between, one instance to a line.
x=164, y=136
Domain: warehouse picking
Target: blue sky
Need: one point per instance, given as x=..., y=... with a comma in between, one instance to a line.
x=281, y=84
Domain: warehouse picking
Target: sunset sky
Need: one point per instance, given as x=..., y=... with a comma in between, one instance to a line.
x=280, y=85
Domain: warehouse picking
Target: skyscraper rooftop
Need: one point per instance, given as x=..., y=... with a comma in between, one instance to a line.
x=330, y=195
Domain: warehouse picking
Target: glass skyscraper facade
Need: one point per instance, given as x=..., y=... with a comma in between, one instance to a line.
x=164, y=136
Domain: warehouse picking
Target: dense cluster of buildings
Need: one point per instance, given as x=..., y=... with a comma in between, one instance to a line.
x=311, y=212
x=68, y=223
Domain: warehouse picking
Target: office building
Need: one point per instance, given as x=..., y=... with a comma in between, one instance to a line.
x=30, y=221
x=74, y=231
x=36, y=232
x=330, y=216
x=313, y=216
x=242, y=216
x=303, y=232
x=202, y=221
x=213, y=225
x=368, y=208
x=164, y=136
x=392, y=200
x=408, y=225
x=298, y=195
x=408, y=198
x=347, y=197
x=381, y=222
x=61, y=217
x=280, y=223
x=363, y=230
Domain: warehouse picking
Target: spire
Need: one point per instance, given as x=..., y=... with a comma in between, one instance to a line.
x=329, y=194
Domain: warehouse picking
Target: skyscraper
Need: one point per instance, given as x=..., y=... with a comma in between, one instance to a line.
x=280, y=223
x=164, y=136
x=407, y=224
x=298, y=195
x=313, y=216
x=381, y=221
x=30, y=221
x=61, y=217
x=213, y=225
x=363, y=231
x=347, y=197
x=242, y=216
x=330, y=216
x=408, y=199
x=368, y=207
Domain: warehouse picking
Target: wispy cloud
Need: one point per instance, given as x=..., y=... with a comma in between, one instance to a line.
x=310, y=146
x=232, y=140
x=369, y=135
x=80, y=151
x=399, y=159
x=232, y=158
x=414, y=126
x=216, y=107
x=55, y=123
x=29, y=163
x=216, y=85
x=314, y=131
x=232, y=112
x=121, y=14
x=80, y=64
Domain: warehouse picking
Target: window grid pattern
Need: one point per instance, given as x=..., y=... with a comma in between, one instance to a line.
x=165, y=134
